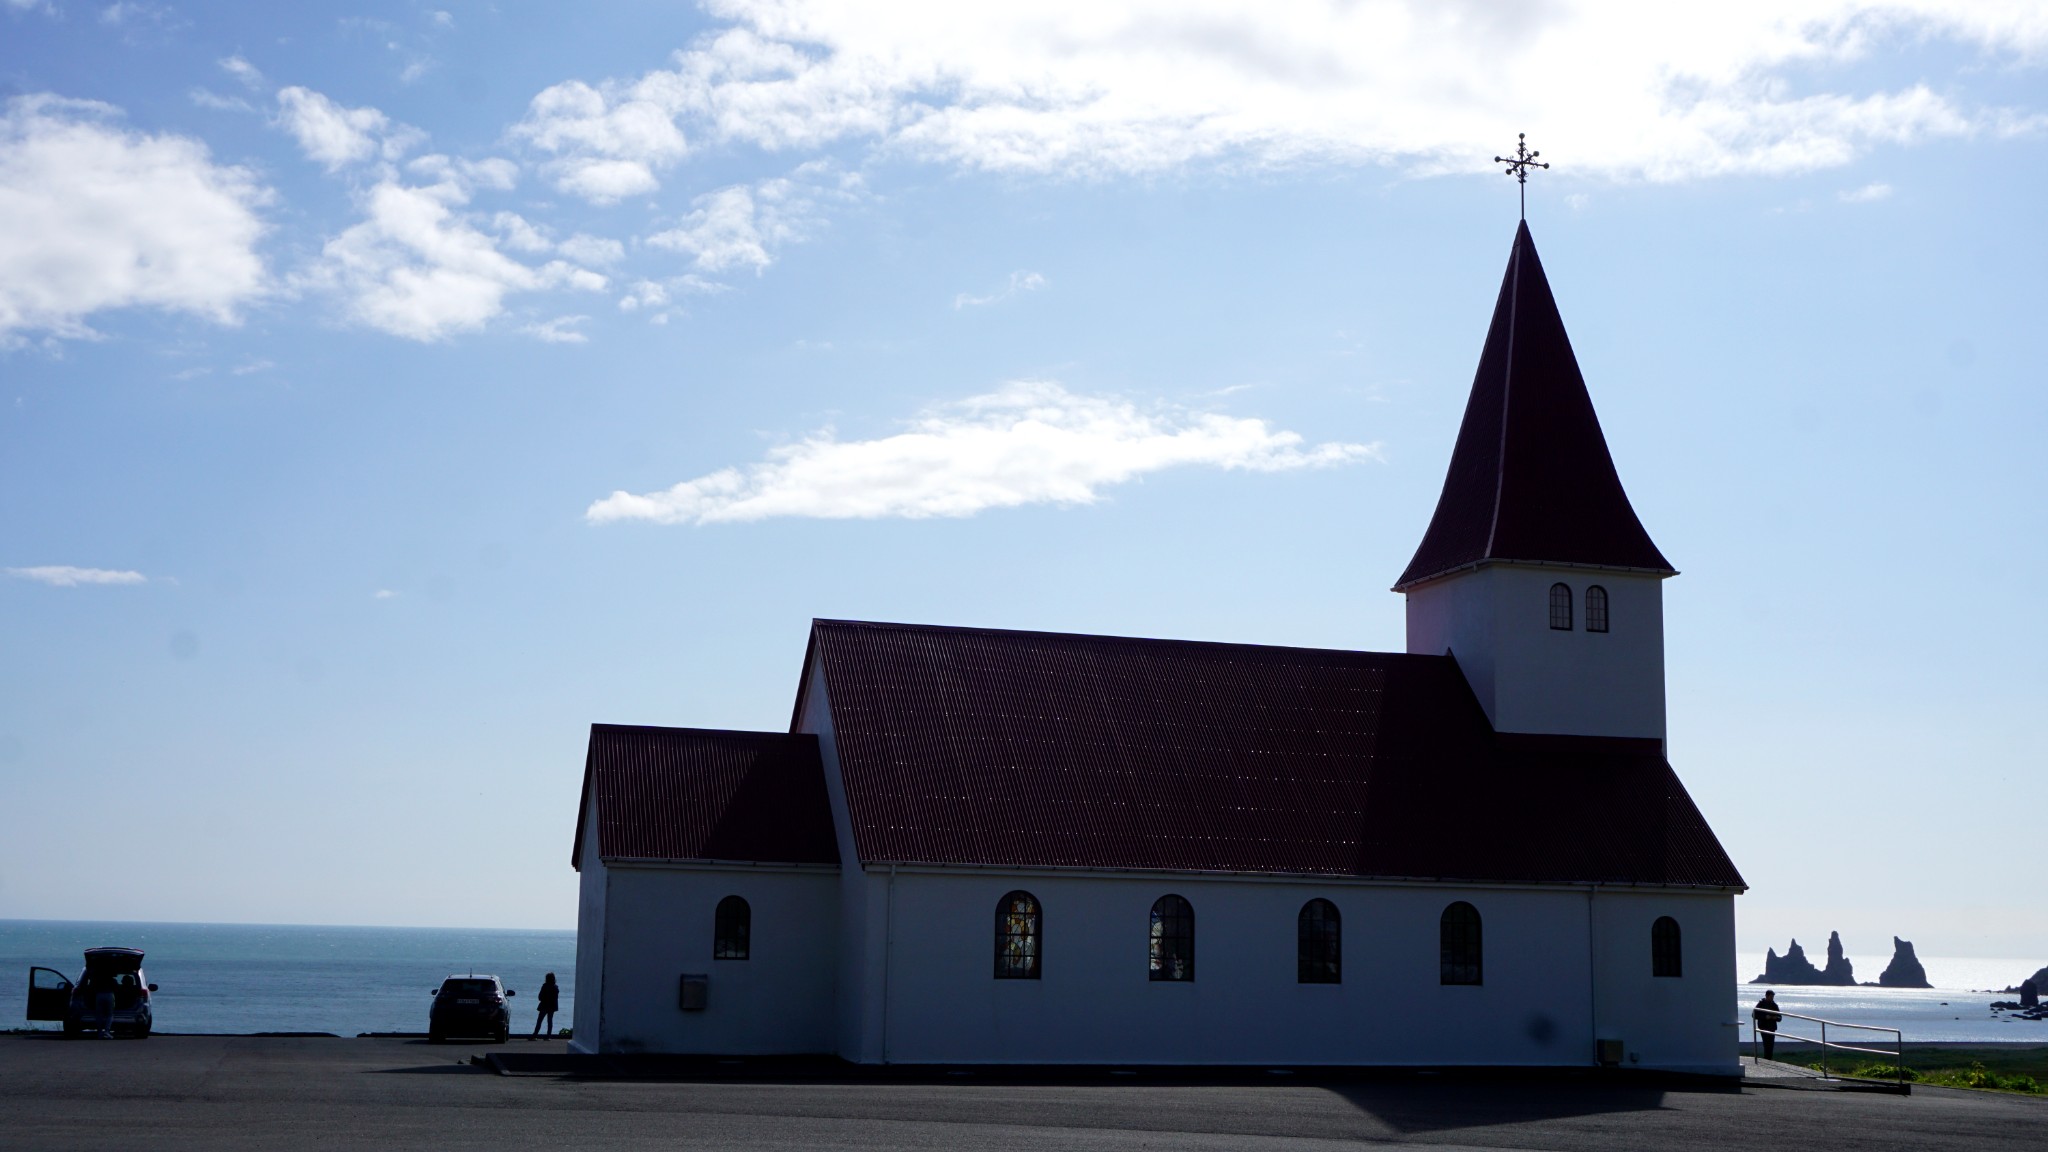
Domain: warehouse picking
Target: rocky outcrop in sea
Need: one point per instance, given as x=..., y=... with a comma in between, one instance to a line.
x=1794, y=968
x=1904, y=971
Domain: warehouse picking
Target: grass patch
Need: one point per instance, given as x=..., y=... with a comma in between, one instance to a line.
x=2020, y=1070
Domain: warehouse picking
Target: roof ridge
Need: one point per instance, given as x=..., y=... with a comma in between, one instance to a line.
x=964, y=629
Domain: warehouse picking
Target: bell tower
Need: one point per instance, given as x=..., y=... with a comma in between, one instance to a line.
x=1535, y=573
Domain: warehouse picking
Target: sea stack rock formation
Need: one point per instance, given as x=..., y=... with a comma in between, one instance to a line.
x=1791, y=968
x=1839, y=970
x=1794, y=968
x=1904, y=971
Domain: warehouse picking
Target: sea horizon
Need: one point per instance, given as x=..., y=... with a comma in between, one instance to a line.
x=344, y=979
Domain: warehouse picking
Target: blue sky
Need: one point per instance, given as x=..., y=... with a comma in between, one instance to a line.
x=386, y=397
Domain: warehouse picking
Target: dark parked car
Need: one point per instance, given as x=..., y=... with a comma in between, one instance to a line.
x=114, y=971
x=470, y=1006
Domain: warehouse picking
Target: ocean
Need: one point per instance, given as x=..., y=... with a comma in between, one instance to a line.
x=240, y=978
x=1958, y=1009
x=301, y=978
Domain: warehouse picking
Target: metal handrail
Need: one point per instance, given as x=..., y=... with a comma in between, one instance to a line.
x=1898, y=1052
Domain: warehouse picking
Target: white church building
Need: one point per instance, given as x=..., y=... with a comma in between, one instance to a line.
x=977, y=846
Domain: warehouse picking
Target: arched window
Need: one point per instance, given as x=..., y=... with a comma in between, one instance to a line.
x=1561, y=607
x=1017, y=937
x=731, y=928
x=1459, y=934
x=1596, y=609
x=1666, y=957
x=1173, y=939
x=1318, y=941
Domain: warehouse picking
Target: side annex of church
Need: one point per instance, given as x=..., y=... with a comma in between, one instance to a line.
x=976, y=846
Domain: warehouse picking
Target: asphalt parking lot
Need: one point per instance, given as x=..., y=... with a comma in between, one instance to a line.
x=225, y=1092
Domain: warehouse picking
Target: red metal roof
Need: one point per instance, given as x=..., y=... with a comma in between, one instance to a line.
x=702, y=794
x=977, y=746
x=1530, y=478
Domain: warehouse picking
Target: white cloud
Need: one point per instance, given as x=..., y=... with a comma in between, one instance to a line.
x=744, y=226
x=1867, y=194
x=93, y=217
x=1019, y=282
x=491, y=172
x=65, y=576
x=244, y=71
x=250, y=368
x=207, y=98
x=560, y=330
x=1030, y=442
x=417, y=266
x=645, y=294
x=1613, y=88
x=607, y=144
x=441, y=19
x=384, y=594
x=336, y=136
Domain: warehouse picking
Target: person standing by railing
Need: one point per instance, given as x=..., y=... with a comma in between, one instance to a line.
x=1767, y=1016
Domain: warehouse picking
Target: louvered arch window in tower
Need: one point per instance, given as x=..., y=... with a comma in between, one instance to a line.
x=1017, y=937
x=1596, y=609
x=1561, y=607
x=732, y=929
x=1172, y=945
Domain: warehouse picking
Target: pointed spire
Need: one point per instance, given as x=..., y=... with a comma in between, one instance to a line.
x=1530, y=479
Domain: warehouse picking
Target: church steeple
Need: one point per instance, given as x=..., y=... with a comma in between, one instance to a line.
x=1530, y=480
x=1535, y=573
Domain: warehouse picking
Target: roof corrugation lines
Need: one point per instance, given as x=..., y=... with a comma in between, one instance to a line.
x=984, y=747
x=701, y=794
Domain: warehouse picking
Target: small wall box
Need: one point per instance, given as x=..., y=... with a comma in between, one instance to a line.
x=695, y=990
x=1607, y=1052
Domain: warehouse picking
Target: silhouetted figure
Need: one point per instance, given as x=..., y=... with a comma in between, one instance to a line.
x=103, y=1004
x=545, y=1004
x=1767, y=1016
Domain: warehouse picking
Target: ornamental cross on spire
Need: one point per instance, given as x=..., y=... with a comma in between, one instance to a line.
x=1518, y=166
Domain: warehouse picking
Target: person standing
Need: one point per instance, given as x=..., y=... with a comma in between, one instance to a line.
x=1765, y=1014
x=545, y=1004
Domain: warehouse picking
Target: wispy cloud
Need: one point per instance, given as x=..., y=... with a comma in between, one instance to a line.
x=335, y=136
x=1030, y=442
x=419, y=266
x=1019, y=282
x=384, y=594
x=1867, y=194
x=1078, y=88
x=66, y=576
x=560, y=330
x=242, y=70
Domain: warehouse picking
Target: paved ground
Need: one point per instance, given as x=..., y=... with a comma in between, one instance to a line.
x=246, y=1092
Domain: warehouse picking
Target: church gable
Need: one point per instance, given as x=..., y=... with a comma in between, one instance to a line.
x=1023, y=749
x=675, y=794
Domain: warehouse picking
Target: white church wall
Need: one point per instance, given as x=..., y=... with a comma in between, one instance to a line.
x=1530, y=677
x=587, y=1001
x=1096, y=1004
x=863, y=930
x=1681, y=1023
x=658, y=926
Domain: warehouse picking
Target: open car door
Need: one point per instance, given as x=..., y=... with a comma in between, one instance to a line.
x=49, y=994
